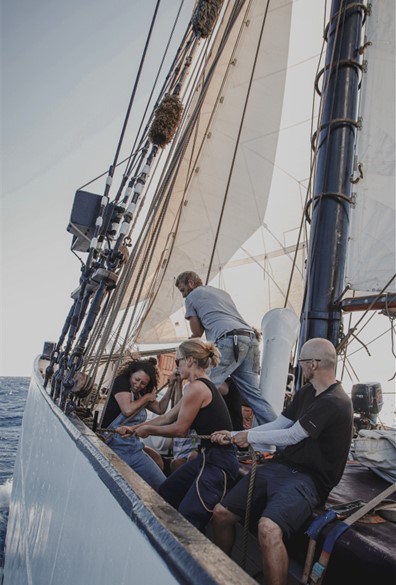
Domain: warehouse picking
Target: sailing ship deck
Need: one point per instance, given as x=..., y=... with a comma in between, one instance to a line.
x=365, y=549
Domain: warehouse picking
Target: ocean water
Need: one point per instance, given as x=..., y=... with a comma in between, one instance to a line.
x=13, y=393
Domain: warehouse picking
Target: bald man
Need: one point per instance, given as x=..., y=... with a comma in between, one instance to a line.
x=313, y=436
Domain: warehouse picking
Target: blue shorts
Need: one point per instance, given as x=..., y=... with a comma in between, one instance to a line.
x=212, y=470
x=285, y=495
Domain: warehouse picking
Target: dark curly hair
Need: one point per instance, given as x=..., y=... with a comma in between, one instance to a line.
x=148, y=366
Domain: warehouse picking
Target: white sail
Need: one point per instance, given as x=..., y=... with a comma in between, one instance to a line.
x=371, y=260
x=248, y=122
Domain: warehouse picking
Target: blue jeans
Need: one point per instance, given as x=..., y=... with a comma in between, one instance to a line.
x=245, y=373
x=130, y=449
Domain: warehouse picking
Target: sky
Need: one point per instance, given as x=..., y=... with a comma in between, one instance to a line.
x=67, y=73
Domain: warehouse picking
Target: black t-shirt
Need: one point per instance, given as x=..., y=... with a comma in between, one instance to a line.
x=121, y=384
x=328, y=418
x=214, y=416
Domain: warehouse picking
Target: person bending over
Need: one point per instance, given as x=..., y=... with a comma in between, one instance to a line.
x=199, y=484
x=212, y=311
x=313, y=435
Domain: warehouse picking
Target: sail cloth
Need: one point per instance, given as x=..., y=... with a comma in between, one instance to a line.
x=233, y=154
x=371, y=260
x=377, y=450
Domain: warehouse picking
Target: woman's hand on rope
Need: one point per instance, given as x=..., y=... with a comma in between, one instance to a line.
x=174, y=377
x=150, y=396
x=125, y=431
x=142, y=431
x=221, y=437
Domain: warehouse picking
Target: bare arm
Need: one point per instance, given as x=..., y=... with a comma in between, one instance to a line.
x=160, y=406
x=165, y=419
x=128, y=406
x=196, y=327
x=194, y=398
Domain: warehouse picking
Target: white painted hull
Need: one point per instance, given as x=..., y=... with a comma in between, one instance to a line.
x=80, y=515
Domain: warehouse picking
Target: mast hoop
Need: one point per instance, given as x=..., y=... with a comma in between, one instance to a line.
x=334, y=122
x=344, y=63
x=333, y=196
x=328, y=195
x=355, y=5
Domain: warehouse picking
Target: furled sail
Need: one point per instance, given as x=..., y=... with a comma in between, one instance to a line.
x=371, y=258
x=237, y=167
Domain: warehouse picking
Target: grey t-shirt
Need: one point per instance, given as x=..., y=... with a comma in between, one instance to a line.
x=216, y=310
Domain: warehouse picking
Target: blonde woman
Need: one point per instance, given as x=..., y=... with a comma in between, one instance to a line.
x=198, y=485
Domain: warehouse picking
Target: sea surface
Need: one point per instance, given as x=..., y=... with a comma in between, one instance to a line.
x=13, y=393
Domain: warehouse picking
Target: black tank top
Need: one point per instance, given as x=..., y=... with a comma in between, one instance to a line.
x=214, y=416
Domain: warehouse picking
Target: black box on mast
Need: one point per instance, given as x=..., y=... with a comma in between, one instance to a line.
x=85, y=210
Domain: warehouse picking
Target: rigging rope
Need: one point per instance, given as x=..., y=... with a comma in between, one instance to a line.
x=181, y=147
x=136, y=84
x=179, y=57
x=239, y=133
x=141, y=266
x=112, y=259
